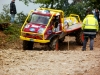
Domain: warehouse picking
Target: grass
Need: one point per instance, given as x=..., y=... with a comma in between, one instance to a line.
x=12, y=32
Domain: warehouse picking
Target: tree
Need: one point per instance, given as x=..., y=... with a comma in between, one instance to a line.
x=56, y=4
x=21, y=17
x=77, y=6
x=48, y=3
x=93, y=3
x=45, y=3
x=80, y=9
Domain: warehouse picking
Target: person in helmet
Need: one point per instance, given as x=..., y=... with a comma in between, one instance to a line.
x=56, y=21
x=90, y=27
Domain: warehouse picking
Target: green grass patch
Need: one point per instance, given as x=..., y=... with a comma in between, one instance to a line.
x=12, y=32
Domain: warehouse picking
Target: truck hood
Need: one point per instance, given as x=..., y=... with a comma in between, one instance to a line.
x=35, y=28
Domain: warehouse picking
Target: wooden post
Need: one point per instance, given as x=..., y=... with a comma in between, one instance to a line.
x=57, y=45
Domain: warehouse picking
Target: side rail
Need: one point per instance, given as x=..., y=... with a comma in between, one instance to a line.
x=26, y=19
x=72, y=22
x=75, y=16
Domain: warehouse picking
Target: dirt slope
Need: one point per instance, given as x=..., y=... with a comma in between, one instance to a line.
x=15, y=61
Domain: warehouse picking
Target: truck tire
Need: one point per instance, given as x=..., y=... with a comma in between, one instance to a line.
x=62, y=39
x=54, y=43
x=27, y=45
x=79, y=38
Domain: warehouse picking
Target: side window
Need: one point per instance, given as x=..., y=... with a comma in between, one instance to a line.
x=34, y=18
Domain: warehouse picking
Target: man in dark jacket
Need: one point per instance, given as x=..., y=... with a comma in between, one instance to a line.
x=12, y=10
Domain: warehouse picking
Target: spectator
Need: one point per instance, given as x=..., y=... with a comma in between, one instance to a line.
x=12, y=10
x=89, y=27
x=97, y=14
x=87, y=11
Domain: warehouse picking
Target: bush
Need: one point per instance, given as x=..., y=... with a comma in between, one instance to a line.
x=13, y=32
x=5, y=16
x=20, y=17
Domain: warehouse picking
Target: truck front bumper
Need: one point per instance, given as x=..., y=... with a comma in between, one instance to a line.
x=34, y=40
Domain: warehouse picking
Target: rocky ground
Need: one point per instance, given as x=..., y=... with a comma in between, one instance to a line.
x=15, y=61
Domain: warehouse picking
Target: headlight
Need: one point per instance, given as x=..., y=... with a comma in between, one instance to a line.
x=40, y=31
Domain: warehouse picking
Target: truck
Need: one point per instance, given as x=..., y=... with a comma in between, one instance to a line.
x=49, y=27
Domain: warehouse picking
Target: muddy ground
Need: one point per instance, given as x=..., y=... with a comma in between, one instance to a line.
x=15, y=61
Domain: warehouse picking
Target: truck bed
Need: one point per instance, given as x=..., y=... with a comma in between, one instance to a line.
x=73, y=27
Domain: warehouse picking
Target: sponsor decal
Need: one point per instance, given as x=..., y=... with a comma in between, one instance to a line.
x=34, y=26
x=49, y=32
x=32, y=29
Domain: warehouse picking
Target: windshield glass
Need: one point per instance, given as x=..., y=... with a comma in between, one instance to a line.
x=40, y=19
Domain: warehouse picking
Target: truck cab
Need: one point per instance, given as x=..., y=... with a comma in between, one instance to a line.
x=42, y=26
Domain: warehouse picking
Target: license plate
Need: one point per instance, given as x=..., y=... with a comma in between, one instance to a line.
x=31, y=40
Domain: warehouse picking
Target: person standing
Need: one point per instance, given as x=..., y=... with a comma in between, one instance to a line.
x=97, y=14
x=12, y=10
x=90, y=28
x=87, y=11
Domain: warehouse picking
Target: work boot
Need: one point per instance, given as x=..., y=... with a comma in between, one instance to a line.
x=83, y=49
x=91, y=49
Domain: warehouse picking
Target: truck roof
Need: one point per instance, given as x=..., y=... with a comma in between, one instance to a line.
x=47, y=11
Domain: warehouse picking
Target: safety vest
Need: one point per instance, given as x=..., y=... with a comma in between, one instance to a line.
x=90, y=22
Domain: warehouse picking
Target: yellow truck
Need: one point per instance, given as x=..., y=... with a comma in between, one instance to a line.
x=49, y=27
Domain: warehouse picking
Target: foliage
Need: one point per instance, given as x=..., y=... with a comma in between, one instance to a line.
x=26, y=2
x=95, y=3
x=4, y=16
x=12, y=32
x=90, y=3
x=20, y=18
x=46, y=3
x=78, y=6
x=62, y=4
x=12, y=29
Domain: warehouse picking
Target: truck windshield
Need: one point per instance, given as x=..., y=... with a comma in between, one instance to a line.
x=39, y=19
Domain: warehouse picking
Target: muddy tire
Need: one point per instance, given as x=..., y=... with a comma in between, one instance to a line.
x=79, y=38
x=27, y=45
x=53, y=45
x=62, y=39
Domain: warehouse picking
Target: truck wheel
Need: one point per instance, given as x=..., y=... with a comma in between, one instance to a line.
x=62, y=39
x=54, y=44
x=79, y=38
x=27, y=45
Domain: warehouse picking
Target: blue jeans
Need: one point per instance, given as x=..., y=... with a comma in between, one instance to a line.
x=86, y=40
x=12, y=18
